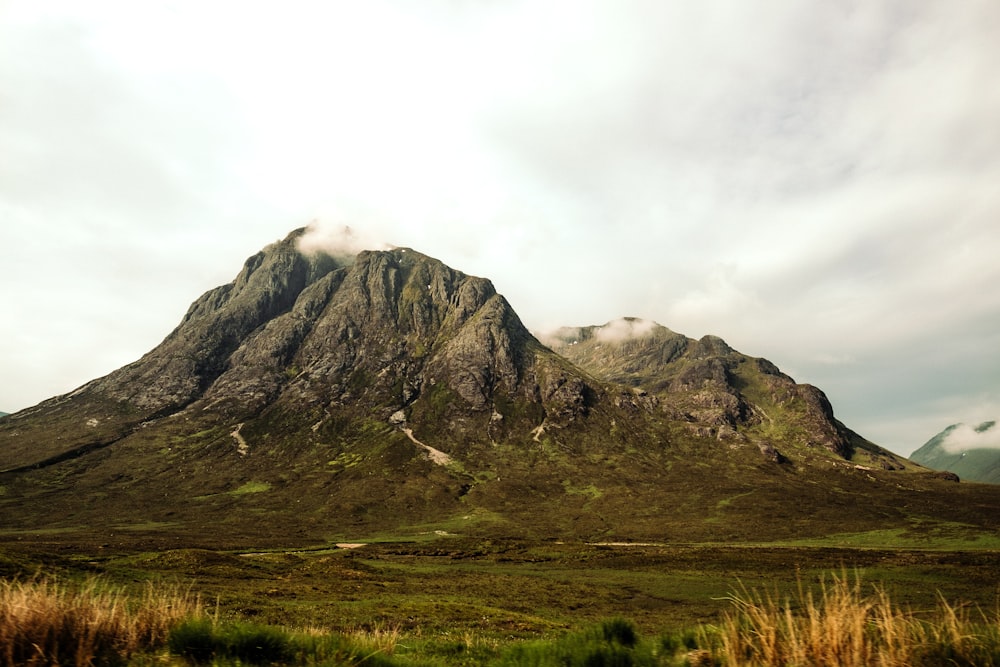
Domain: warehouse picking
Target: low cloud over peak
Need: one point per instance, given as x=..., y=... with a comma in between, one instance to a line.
x=626, y=328
x=340, y=241
x=964, y=437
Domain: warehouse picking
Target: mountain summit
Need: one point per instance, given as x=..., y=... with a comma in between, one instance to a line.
x=319, y=397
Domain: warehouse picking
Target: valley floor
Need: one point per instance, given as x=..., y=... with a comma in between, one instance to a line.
x=503, y=590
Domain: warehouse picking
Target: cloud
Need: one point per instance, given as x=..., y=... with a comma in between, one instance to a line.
x=623, y=329
x=337, y=240
x=615, y=331
x=559, y=337
x=964, y=437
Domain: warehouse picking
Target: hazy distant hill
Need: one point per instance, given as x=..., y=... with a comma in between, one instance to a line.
x=387, y=394
x=972, y=453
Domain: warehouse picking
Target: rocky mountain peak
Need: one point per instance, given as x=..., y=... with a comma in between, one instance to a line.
x=375, y=331
x=385, y=388
x=215, y=327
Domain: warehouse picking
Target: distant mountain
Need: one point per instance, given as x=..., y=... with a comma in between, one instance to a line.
x=387, y=394
x=972, y=453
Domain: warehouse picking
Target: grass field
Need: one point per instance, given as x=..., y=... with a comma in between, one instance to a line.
x=454, y=601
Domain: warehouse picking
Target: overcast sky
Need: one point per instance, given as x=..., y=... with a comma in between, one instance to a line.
x=818, y=183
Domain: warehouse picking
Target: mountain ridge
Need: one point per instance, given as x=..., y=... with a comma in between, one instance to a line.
x=642, y=353
x=318, y=396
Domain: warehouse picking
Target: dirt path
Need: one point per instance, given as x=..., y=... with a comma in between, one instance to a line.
x=437, y=456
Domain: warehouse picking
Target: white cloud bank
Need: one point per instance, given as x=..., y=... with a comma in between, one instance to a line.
x=342, y=242
x=622, y=329
x=964, y=437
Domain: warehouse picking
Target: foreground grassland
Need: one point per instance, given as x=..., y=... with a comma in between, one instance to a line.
x=449, y=601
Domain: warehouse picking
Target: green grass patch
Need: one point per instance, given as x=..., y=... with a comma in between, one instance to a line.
x=202, y=641
x=250, y=487
x=146, y=525
x=345, y=460
x=40, y=532
x=726, y=502
x=918, y=534
x=613, y=643
x=588, y=490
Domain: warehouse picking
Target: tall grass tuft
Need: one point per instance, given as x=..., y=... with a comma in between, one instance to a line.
x=377, y=639
x=44, y=622
x=844, y=627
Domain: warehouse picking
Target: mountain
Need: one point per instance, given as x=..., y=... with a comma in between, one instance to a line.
x=318, y=398
x=962, y=450
x=717, y=392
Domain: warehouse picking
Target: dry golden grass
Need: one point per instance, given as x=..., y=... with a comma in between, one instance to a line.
x=378, y=638
x=845, y=627
x=44, y=622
